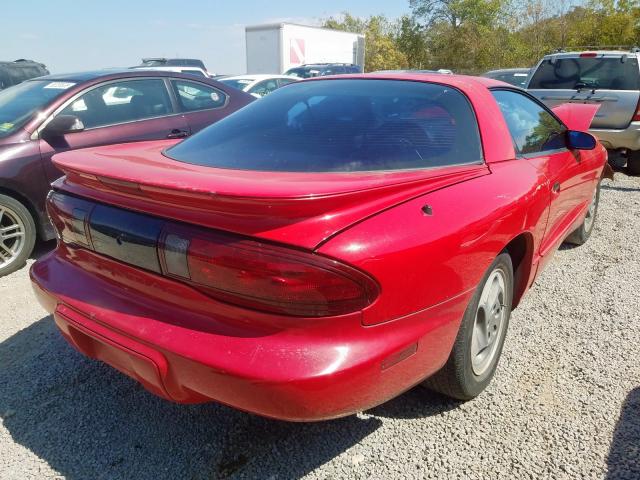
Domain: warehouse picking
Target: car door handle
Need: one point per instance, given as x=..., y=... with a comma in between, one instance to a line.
x=177, y=133
x=556, y=187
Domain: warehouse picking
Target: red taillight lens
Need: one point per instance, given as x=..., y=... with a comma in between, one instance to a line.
x=636, y=116
x=588, y=55
x=265, y=277
x=230, y=268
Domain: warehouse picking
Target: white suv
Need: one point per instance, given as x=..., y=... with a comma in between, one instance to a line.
x=610, y=79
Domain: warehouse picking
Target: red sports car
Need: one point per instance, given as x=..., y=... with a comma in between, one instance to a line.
x=323, y=249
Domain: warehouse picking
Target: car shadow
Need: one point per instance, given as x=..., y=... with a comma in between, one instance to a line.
x=624, y=454
x=86, y=420
x=41, y=248
x=619, y=188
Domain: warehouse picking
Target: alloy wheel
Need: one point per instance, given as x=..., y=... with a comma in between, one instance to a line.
x=489, y=322
x=12, y=236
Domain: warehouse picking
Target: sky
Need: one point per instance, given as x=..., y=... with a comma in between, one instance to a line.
x=70, y=36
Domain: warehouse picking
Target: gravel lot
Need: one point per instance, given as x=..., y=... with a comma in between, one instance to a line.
x=565, y=402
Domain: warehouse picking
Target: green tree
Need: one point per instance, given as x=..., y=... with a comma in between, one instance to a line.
x=410, y=39
x=381, y=50
x=472, y=36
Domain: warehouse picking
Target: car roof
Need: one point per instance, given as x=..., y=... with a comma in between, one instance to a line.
x=166, y=59
x=509, y=70
x=463, y=82
x=597, y=52
x=90, y=75
x=257, y=76
x=320, y=65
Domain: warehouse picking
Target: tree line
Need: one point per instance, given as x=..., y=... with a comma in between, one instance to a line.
x=473, y=36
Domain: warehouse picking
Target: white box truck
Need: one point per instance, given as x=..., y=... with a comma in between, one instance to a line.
x=277, y=47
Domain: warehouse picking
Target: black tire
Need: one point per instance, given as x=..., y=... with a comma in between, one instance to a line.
x=583, y=232
x=633, y=163
x=13, y=210
x=457, y=379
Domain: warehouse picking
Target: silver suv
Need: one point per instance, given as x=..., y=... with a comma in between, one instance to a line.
x=608, y=78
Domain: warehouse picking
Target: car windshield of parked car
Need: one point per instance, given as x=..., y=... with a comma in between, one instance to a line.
x=237, y=83
x=302, y=72
x=342, y=126
x=19, y=103
x=609, y=73
x=516, y=79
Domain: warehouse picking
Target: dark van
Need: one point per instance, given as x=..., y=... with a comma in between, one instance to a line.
x=12, y=73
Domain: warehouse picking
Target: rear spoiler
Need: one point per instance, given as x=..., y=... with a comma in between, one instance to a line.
x=576, y=116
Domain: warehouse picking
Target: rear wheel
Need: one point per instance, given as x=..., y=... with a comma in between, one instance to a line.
x=583, y=232
x=478, y=346
x=17, y=235
x=633, y=163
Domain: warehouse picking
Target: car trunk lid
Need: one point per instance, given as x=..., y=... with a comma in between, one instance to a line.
x=611, y=80
x=301, y=209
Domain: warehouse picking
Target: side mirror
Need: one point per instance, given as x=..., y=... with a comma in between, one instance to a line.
x=577, y=140
x=61, y=125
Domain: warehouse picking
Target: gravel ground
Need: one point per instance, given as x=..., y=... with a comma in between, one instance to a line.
x=565, y=402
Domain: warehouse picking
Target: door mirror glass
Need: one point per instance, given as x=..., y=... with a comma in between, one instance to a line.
x=61, y=125
x=580, y=140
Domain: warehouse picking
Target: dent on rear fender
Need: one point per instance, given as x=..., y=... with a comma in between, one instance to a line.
x=423, y=260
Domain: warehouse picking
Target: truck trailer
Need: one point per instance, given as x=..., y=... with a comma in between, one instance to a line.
x=277, y=47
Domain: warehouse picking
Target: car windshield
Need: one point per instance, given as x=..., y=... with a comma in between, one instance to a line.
x=342, y=126
x=238, y=83
x=154, y=63
x=303, y=72
x=20, y=102
x=609, y=73
x=517, y=79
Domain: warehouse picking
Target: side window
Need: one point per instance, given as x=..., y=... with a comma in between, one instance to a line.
x=194, y=96
x=265, y=87
x=532, y=128
x=121, y=102
x=285, y=81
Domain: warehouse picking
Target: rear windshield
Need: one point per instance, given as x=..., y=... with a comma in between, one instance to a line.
x=237, y=83
x=341, y=126
x=517, y=79
x=302, y=72
x=608, y=73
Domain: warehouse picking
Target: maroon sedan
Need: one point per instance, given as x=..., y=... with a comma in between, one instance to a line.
x=56, y=113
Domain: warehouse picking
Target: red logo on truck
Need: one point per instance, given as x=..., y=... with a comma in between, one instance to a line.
x=296, y=54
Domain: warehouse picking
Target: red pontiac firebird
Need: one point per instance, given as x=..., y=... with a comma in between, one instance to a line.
x=323, y=249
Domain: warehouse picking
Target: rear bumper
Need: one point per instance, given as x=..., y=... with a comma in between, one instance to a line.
x=628, y=138
x=323, y=369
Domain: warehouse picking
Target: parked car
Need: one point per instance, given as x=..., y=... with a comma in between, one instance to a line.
x=322, y=69
x=13, y=73
x=173, y=62
x=444, y=71
x=56, y=113
x=610, y=79
x=266, y=262
x=258, y=85
x=198, y=72
x=513, y=76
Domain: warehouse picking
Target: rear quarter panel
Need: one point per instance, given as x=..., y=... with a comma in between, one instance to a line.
x=422, y=260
